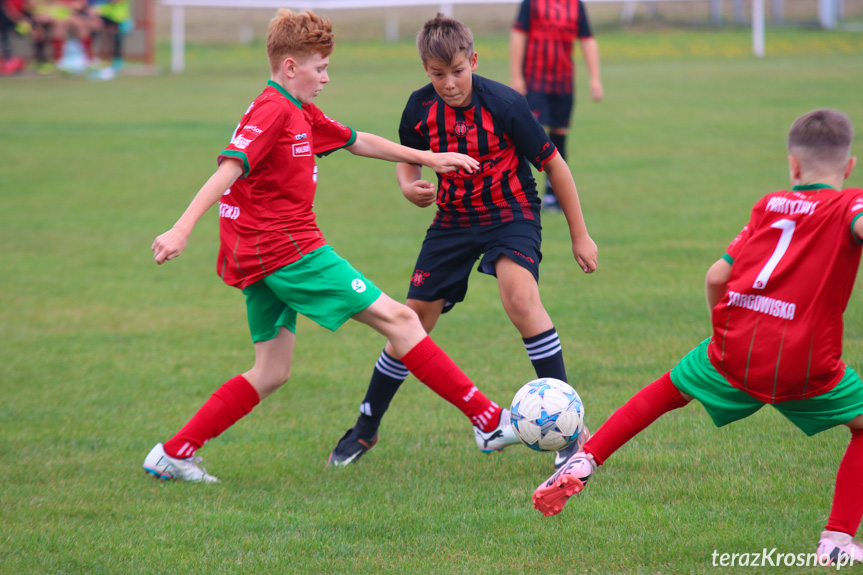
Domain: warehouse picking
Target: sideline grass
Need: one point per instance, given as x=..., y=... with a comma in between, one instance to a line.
x=103, y=353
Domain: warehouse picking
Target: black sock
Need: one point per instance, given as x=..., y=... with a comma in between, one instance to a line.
x=546, y=354
x=387, y=377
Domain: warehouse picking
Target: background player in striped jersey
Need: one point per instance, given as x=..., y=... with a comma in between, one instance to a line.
x=542, y=66
x=491, y=216
x=272, y=248
x=801, y=248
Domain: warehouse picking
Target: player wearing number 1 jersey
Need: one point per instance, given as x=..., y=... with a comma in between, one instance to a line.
x=777, y=298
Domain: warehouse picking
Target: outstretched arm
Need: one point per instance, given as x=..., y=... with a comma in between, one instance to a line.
x=590, y=50
x=172, y=243
x=583, y=247
x=372, y=146
x=716, y=282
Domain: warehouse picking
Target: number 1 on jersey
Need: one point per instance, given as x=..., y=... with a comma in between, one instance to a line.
x=787, y=227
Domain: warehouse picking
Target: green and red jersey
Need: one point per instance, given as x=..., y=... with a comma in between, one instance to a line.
x=265, y=219
x=777, y=332
x=552, y=26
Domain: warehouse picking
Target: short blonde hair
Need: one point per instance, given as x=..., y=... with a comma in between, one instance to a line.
x=821, y=139
x=443, y=38
x=299, y=35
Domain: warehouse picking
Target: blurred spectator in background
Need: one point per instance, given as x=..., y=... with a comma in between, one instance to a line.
x=15, y=19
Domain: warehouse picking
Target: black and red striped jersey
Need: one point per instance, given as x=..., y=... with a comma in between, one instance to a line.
x=497, y=129
x=552, y=27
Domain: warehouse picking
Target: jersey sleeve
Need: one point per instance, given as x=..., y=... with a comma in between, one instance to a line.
x=408, y=134
x=528, y=135
x=584, y=30
x=255, y=135
x=522, y=20
x=329, y=135
x=855, y=211
x=737, y=245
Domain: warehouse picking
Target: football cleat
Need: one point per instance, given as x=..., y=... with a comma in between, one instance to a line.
x=498, y=438
x=836, y=548
x=552, y=494
x=561, y=456
x=350, y=448
x=162, y=466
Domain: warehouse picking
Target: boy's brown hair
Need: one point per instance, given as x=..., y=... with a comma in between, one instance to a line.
x=821, y=138
x=443, y=38
x=298, y=34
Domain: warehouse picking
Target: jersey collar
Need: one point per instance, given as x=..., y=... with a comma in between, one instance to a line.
x=284, y=93
x=810, y=187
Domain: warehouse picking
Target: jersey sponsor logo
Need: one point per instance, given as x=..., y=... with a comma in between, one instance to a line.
x=763, y=304
x=419, y=277
x=461, y=129
x=785, y=206
x=229, y=211
x=488, y=165
x=358, y=285
x=858, y=205
x=303, y=149
x=254, y=129
x=240, y=142
x=302, y=136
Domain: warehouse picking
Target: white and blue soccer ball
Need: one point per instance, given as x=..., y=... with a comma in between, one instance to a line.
x=547, y=414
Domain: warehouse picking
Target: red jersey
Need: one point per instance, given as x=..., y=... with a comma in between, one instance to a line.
x=265, y=219
x=552, y=27
x=777, y=332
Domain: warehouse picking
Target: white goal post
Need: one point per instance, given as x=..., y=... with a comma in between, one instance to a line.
x=178, y=14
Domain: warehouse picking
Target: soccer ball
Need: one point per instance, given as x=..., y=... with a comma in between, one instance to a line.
x=547, y=414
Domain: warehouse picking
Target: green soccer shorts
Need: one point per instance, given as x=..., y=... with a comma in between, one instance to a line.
x=725, y=404
x=322, y=286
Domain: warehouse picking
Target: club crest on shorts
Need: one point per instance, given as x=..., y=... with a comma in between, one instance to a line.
x=358, y=285
x=418, y=277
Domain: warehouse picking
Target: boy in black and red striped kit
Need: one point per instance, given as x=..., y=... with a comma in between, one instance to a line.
x=491, y=215
x=543, y=69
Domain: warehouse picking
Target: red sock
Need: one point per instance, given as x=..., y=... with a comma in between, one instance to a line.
x=233, y=400
x=57, y=43
x=432, y=366
x=637, y=414
x=88, y=47
x=848, y=499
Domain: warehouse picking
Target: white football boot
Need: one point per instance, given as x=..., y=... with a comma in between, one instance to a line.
x=162, y=466
x=498, y=438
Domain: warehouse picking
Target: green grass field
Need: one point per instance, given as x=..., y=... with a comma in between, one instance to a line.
x=102, y=353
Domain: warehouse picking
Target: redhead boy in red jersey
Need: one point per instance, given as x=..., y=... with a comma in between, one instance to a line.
x=272, y=249
x=777, y=298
